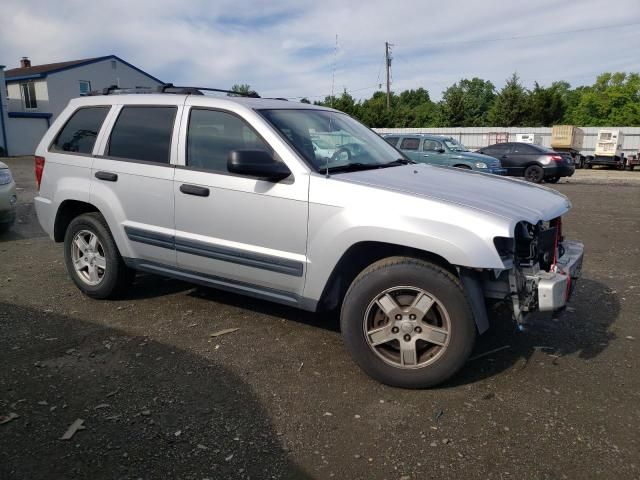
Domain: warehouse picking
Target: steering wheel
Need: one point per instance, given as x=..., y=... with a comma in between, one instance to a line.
x=340, y=153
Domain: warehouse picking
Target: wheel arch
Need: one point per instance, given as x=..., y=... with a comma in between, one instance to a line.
x=359, y=256
x=67, y=211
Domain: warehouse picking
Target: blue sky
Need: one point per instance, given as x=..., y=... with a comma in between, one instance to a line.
x=287, y=48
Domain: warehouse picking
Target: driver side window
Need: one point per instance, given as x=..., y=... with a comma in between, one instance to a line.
x=212, y=134
x=431, y=146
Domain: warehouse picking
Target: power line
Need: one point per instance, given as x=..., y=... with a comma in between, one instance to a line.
x=533, y=35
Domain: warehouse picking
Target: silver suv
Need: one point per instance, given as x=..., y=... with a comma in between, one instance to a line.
x=231, y=193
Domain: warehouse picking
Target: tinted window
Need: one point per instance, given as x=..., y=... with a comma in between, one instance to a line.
x=211, y=135
x=392, y=140
x=80, y=132
x=143, y=133
x=429, y=145
x=524, y=148
x=499, y=149
x=410, y=144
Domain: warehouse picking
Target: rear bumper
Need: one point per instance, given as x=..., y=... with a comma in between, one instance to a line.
x=45, y=213
x=555, y=288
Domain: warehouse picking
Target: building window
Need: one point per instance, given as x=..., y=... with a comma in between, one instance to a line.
x=113, y=64
x=28, y=91
x=85, y=87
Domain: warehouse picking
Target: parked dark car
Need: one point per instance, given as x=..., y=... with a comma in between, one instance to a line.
x=533, y=162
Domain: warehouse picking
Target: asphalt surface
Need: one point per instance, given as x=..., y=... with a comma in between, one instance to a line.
x=280, y=397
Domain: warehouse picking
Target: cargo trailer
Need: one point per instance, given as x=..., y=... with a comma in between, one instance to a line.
x=568, y=139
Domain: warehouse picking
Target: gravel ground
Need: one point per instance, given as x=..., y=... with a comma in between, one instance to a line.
x=280, y=398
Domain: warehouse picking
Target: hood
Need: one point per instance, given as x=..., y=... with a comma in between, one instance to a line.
x=512, y=199
x=478, y=157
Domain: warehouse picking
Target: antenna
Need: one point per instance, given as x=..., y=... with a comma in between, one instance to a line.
x=333, y=72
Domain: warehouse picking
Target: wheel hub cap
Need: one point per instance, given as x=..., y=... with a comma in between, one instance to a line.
x=407, y=327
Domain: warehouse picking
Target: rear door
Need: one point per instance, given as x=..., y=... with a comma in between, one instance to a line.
x=242, y=233
x=410, y=146
x=133, y=179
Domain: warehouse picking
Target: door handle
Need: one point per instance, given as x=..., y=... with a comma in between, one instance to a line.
x=194, y=190
x=107, y=176
x=503, y=156
x=425, y=155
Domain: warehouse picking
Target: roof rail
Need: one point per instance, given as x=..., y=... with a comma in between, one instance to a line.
x=168, y=88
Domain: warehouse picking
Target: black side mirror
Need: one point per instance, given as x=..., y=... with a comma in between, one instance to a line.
x=440, y=150
x=257, y=163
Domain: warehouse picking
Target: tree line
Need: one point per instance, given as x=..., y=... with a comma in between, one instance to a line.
x=613, y=100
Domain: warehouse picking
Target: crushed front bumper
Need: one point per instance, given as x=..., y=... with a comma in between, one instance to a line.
x=555, y=287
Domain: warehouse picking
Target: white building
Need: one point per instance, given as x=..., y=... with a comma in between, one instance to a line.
x=37, y=94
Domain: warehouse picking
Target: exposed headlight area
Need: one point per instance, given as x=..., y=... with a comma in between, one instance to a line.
x=481, y=165
x=5, y=176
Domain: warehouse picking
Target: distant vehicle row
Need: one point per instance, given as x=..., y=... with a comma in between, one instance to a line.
x=528, y=160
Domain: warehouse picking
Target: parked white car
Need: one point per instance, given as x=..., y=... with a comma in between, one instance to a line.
x=228, y=192
x=8, y=198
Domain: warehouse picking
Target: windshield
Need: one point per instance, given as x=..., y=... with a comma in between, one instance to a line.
x=334, y=140
x=455, y=145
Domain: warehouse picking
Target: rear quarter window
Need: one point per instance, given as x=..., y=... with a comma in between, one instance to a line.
x=81, y=130
x=143, y=133
x=392, y=140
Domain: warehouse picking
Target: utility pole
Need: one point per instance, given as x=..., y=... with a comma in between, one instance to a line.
x=387, y=59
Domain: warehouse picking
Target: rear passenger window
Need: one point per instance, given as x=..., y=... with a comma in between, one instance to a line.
x=410, y=144
x=143, y=133
x=80, y=132
x=211, y=135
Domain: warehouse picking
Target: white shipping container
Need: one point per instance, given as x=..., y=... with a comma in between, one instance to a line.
x=609, y=143
x=529, y=138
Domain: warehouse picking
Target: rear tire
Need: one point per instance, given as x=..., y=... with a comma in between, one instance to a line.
x=407, y=323
x=93, y=260
x=534, y=173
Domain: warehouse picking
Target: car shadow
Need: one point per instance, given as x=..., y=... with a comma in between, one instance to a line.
x=150, y=410
x=583, y=329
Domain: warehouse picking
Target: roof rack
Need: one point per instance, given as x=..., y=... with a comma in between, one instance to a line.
x=168, y=88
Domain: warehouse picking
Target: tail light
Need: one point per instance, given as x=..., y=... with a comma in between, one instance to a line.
x=39, y=169
x=555, y=158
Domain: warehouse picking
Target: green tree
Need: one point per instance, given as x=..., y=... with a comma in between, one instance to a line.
x=241, y=90
x=546, y=105
x=466, y=103
x=614, y=99
x=510, y=108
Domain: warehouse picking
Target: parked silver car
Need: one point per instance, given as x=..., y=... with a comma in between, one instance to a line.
x=8, y=198
x=228, y=192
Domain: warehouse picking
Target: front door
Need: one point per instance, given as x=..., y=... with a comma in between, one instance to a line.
x=242, y=233
x=432, y=151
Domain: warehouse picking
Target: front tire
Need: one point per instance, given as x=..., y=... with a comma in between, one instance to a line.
x=92, y=258
x=407, y=323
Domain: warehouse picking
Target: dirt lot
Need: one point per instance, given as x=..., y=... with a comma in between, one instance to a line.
x=280, y=397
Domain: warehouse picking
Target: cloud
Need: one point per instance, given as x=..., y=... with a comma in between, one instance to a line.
x=287, y=48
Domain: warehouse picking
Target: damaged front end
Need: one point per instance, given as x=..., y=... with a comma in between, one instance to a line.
x=541, y=269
